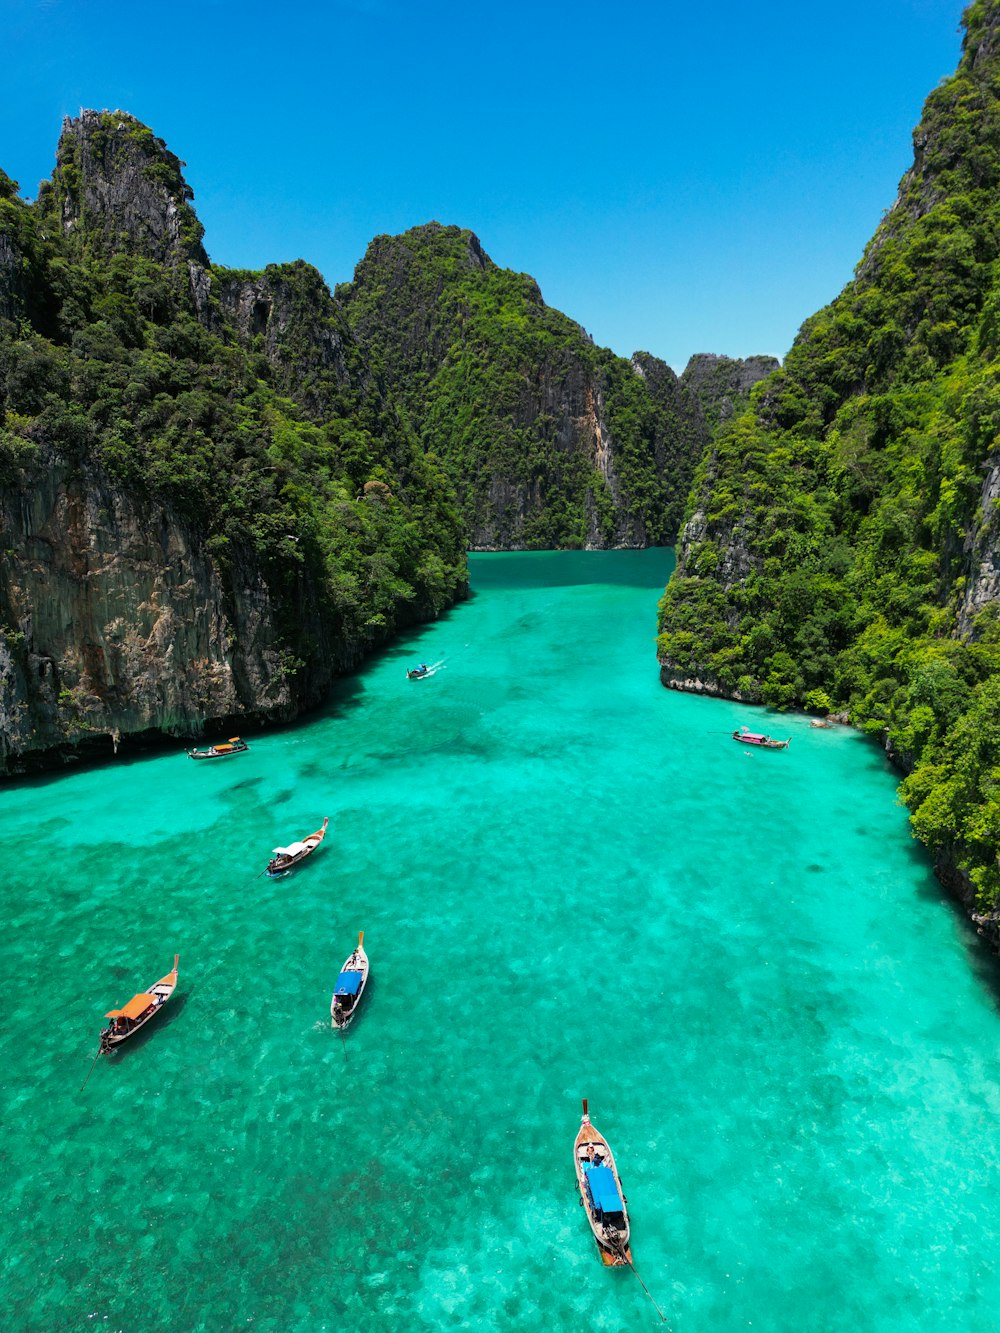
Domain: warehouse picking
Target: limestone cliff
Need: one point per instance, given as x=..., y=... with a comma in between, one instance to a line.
x=302, y=330
x=117, y=188
x=981, y=595
x=126, y=625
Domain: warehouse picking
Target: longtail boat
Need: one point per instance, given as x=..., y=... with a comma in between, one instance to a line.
x=601, y=1194
x=226, y=750
x=126, y=1021
x=418, y=672
x=284, y=859
x=350, y=986
x=756, y=738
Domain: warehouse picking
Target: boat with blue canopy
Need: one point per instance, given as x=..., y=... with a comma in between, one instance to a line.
x=350, y=986
x=601, y=1194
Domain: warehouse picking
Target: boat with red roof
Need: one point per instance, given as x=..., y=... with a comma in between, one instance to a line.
x=759, y=739
x=225, y=750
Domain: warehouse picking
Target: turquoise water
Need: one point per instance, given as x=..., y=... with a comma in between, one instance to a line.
x=572, y=883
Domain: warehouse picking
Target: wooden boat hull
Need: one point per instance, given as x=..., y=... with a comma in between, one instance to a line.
x=761, y=742
x=613, y=1245
x=233, y=747
x=356, y=962
x=281, y=865
x=160, y=992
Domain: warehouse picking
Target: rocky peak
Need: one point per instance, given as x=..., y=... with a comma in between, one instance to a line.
x=478, y=258
x=982, y=33
x=953, y=143
x=400, y=261
x=119, y=189
x=303, y=333
x=657, y=374
x=722, y=383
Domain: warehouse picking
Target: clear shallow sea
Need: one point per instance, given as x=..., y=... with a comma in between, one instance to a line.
x=572, y=883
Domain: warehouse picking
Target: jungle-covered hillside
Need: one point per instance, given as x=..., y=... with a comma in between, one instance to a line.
x=841, y=549
x=158, y=413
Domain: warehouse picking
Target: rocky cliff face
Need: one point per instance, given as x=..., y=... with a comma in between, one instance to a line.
x=982, y=552
x=119, y=189
x=118, y=623
x=301, y=329
x=11, y=284
x=550, y=441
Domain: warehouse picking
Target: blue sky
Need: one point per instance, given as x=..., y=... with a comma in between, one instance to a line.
x=678, y=178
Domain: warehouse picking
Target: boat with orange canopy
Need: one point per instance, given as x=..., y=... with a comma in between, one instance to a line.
x=126, y=1021
x=235, y=745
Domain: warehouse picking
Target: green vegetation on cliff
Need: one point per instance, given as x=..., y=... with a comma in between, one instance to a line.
x=118, y=348
x=549, y=440
x=841, y=548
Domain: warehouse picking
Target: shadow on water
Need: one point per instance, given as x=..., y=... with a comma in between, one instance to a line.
x=983, y=960
x=171, y=1014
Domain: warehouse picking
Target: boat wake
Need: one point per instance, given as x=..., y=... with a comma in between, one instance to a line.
x=426, y=672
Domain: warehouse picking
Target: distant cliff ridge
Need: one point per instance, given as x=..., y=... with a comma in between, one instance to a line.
x=548, y=440
x=722, y=384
